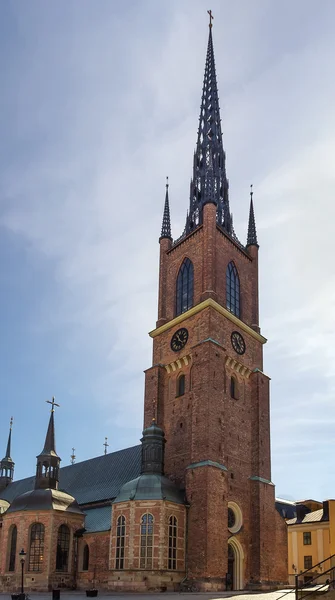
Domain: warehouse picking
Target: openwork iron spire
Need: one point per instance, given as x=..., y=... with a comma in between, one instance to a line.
x=166, y=224
x=209, y=183
x=252, y=233
x=8, y=449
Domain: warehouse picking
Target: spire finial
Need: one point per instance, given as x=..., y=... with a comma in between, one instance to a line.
x=106, y=445
x=73, y=456
x=252, y=234
x=11, y=423
x=166, y=224
x=53, y=404
x=210, y=18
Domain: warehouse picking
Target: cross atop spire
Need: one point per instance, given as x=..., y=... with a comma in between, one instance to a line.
x=252, y=234
x=166, y=224
x=209, y=182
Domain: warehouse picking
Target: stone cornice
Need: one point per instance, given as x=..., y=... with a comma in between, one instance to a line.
x=209, y=303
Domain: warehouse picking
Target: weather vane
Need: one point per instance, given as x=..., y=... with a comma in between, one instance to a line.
x=210, y=18
x=73, y=456
x=106, y=445
x=53, y=403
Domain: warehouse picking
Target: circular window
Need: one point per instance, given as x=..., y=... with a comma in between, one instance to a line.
x=234, y=517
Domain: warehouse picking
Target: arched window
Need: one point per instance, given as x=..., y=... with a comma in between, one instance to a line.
x=120, y=540
x=12, y=538
x=233, y=388
x=86, y=557
x=181, y=385
x=184, y=293
x=36, y=547
x=172, y=562
x=147, y=538
x=233, y=289
x=63, y=547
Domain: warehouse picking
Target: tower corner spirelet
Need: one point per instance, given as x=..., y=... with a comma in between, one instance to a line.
x=166, y=223
x=252, y=233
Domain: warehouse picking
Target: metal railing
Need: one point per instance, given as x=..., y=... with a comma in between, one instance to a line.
x=302, y=588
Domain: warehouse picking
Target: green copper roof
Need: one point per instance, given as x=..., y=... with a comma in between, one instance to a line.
x=150, y=486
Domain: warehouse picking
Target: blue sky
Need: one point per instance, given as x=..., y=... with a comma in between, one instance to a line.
x=99, y=102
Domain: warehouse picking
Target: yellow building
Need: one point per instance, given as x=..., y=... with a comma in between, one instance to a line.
x=311, y=541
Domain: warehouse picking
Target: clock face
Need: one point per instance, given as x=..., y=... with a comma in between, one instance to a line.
x=238, y=342
x=179, y=339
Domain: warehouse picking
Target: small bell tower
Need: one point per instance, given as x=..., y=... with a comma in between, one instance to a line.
x=47, y=468
x=7, y=464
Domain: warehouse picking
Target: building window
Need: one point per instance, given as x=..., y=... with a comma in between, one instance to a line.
x=36, y=548
x=185, y=280
x=181, y=385
x=86, y=557
x=233, y=289
x=12, y=548
x=307, y=538
x=120, y=540
x=233, y=388
x=63, y=547
x=308, y=562
x=147, y=531
x=172, y=562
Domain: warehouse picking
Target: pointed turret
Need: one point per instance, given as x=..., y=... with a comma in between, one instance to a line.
x=7, y=464
x=209, y=182
x=252, y=234
x=166, y=224
x=48, y=461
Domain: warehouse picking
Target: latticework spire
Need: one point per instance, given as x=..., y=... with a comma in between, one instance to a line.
x=8, y=449
x=166, y=224
x=252, y=233
x=209, y=183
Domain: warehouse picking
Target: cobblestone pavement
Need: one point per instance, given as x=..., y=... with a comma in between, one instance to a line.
x=165, y=596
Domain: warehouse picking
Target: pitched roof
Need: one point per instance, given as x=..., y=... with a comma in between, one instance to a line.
x=312, y=517
x=98, y=519
x=93, y=480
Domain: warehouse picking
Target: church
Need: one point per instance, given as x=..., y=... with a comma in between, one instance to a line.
x=193, y=505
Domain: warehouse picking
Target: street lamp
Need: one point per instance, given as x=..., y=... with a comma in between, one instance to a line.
x=22, y=555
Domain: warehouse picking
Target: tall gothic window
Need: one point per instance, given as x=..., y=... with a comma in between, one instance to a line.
x=181, y=385
x=233, y=289
x=185, y=282
x=172, y=561
x=147, y=537
x=120, y=541
x=36, y=548
x=63, y=547
x=86, y=557
x=12, y=548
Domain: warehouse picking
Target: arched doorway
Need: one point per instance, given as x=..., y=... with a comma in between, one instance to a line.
x=230, y=570
x=235, y=564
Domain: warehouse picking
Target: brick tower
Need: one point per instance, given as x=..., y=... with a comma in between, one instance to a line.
x=207, y=385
